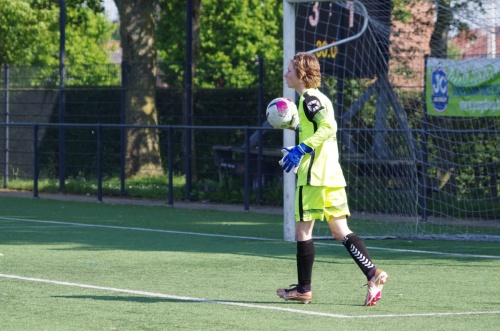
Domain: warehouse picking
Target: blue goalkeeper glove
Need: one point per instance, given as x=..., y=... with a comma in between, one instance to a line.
x=292, y=159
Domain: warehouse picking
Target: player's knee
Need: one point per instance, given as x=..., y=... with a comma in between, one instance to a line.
x=337, y=235
x=339, y=228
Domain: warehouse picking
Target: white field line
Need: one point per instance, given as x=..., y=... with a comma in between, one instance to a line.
x=238, y=237
x=420, y=252
x=38, y=227
x=135, y=229
x=239, y=304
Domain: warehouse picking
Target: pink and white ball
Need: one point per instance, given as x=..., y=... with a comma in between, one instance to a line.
x=282, y=113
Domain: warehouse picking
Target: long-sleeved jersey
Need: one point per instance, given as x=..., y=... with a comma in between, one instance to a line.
x=318, y=130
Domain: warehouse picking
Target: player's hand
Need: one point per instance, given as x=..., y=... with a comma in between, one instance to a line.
x=285, y=150
x=295, y=122
x=293, y=125
x=292, y=159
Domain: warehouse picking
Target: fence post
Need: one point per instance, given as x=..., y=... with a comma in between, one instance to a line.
x=7, y=119
x=123, y=119
x=247, y=169
x=62, y=92
x=35, y=161
x=170, y=167
x=424, y=148
x=99, y=162
x=260, y=121
x=188, y=94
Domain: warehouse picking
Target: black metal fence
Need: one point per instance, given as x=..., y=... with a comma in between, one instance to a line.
x=97, y=158
x=393, y=161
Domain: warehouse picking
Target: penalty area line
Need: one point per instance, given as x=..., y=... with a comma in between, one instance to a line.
x=234, y=237
x=231, y=303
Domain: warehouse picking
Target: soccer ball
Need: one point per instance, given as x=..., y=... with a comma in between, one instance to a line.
x=282, y=113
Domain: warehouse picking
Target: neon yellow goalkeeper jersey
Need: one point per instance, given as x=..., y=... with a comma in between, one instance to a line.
x=318, y=129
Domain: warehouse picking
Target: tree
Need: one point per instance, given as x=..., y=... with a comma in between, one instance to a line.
x=137, y=37
x=231, y=34
x=445, y=22
x=227, y=37
x=25, y=33
x=87, y=33
x=29, y=36
x=439, y=37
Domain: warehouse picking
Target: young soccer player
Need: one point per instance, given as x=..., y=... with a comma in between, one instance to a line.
x=320, y=192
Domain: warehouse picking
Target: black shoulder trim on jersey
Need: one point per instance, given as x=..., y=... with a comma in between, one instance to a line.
x=312, y=105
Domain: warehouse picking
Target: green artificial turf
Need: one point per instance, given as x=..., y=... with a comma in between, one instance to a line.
x=94, y=266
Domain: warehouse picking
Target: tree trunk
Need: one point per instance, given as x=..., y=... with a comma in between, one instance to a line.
x=137, y=35
x=439, y=38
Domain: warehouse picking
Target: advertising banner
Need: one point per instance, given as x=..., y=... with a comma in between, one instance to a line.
x=466, y=88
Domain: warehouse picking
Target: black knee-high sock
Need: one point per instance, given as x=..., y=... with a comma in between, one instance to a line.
x=356, y=247
x=305, y=260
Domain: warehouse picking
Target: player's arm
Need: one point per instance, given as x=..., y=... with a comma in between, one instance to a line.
x=319, y=114
x=326, y=130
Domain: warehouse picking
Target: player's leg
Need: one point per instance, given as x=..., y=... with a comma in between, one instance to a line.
x=305, y=255
x=305, y=246
x=354, y=244
x=358, y=251
x=337, y=221
x=305, y=259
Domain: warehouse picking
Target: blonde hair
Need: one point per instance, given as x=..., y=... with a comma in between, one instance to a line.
x=308, y=69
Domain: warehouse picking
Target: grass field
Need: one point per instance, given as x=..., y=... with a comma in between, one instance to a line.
x=96, y=266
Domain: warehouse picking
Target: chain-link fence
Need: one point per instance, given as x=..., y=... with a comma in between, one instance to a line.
x=76, y=133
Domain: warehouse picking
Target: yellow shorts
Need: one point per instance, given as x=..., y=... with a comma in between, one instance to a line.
x=320, y=203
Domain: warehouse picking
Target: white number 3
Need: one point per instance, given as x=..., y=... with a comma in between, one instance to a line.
x=313, y=19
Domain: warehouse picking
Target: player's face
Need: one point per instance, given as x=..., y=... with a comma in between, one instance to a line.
x=291, y=79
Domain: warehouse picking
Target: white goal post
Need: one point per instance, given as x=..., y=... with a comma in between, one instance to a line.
x=289, y=179
x=288, y=136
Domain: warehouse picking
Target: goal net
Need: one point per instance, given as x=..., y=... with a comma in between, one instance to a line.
x=412, y=171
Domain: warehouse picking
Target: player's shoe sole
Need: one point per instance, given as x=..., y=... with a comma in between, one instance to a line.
x=294, y=295
x=375, y=285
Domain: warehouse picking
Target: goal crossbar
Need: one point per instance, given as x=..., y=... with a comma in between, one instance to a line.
x=345, y=40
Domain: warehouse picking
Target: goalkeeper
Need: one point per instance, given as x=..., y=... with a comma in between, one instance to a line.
x=320, y=192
